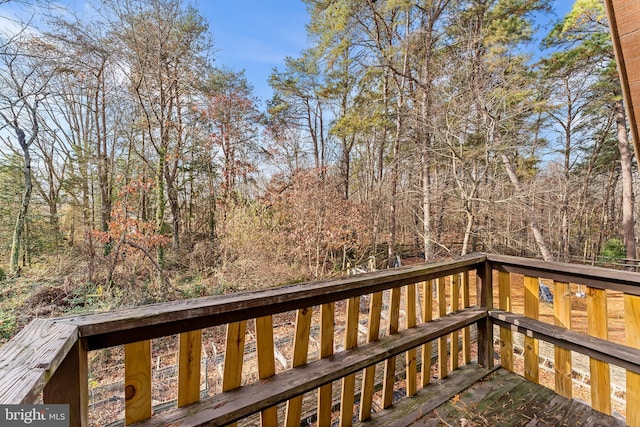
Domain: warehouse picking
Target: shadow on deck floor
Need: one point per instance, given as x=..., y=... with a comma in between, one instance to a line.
x=474, y=396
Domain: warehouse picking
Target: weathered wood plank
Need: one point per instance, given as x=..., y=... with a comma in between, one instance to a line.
x=157, y=320
x=505, y=399
x=562, y=356
x=454, y=349
x=597, y=324
x=137, y=381
x=443, y=366
x=300, y=353
x=632, y=339
x=234, y=405
x=234, y=356
x=189, y=367
x=408, y=411
x=466, y=332
x=325, y=394
x=531, y=345
x=427, y=316
x=266, y=363
x=368, y=377
x=349, y=382
x=390, y=364
x=31, y=357
x=597, y=348
x=411, y=356
x=70, y=385
x=506, y=337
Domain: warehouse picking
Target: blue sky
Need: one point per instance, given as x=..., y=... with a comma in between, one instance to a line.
x=256, y=35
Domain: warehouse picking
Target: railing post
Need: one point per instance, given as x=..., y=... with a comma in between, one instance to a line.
x=70, y=385
x=484, y=296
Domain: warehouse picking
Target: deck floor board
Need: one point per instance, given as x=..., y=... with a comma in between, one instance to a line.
x=473, y=396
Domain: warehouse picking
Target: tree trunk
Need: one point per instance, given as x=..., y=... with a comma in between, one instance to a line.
x=426, y=203
x=530, y=215
x=627, y=181
x=24, y=204
x=160, y=203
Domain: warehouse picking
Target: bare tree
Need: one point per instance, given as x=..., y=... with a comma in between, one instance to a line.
x=24, y=85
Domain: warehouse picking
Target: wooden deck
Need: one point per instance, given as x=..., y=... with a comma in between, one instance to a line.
x=474, y=396
x=365, y=357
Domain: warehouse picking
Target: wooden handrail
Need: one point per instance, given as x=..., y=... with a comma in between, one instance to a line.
x=31, y=358
x=597, y=277
x=157, y=320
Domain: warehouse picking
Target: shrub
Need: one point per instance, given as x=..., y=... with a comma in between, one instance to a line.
x=613, y=250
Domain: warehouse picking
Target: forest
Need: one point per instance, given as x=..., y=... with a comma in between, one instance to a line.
x=135, y=169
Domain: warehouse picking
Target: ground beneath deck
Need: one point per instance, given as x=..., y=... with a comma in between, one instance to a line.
x=473, y=396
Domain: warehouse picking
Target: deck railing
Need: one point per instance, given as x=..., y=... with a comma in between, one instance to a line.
x=367, y=325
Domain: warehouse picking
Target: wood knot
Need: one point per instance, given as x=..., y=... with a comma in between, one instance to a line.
x=129, y=392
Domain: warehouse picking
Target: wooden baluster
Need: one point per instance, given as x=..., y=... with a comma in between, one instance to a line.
x=453, y=338
x=390, y=363
x=300, y=351
x=349, y=382
x=70, y=385
x=233, y=356
x=632, y=339
x=531, y=345
x=266, y=363
x=368, y=378
x=411, y=370
x=325, y=394
x=442, y=342
x=506, y=336
x=599, y=370
x=427, y=316
x=137, y=380
x=466, y=332
x=562, y=356
x=189, y=367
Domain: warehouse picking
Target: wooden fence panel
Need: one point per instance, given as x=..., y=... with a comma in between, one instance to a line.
x=410, y=357
x=266, y=363
x=137, y=379
x=390, y=363
x=562, y=356
x=454, y=352
x=349, y=382
x=427, y=316
x=442, y=342
x=300, y=352
x=506, y=336
x=368, y=377
x=632, y=332
x=325, y=393
x=531, y=345
x=466, y=332
x=189, y=367
x=599, y=370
